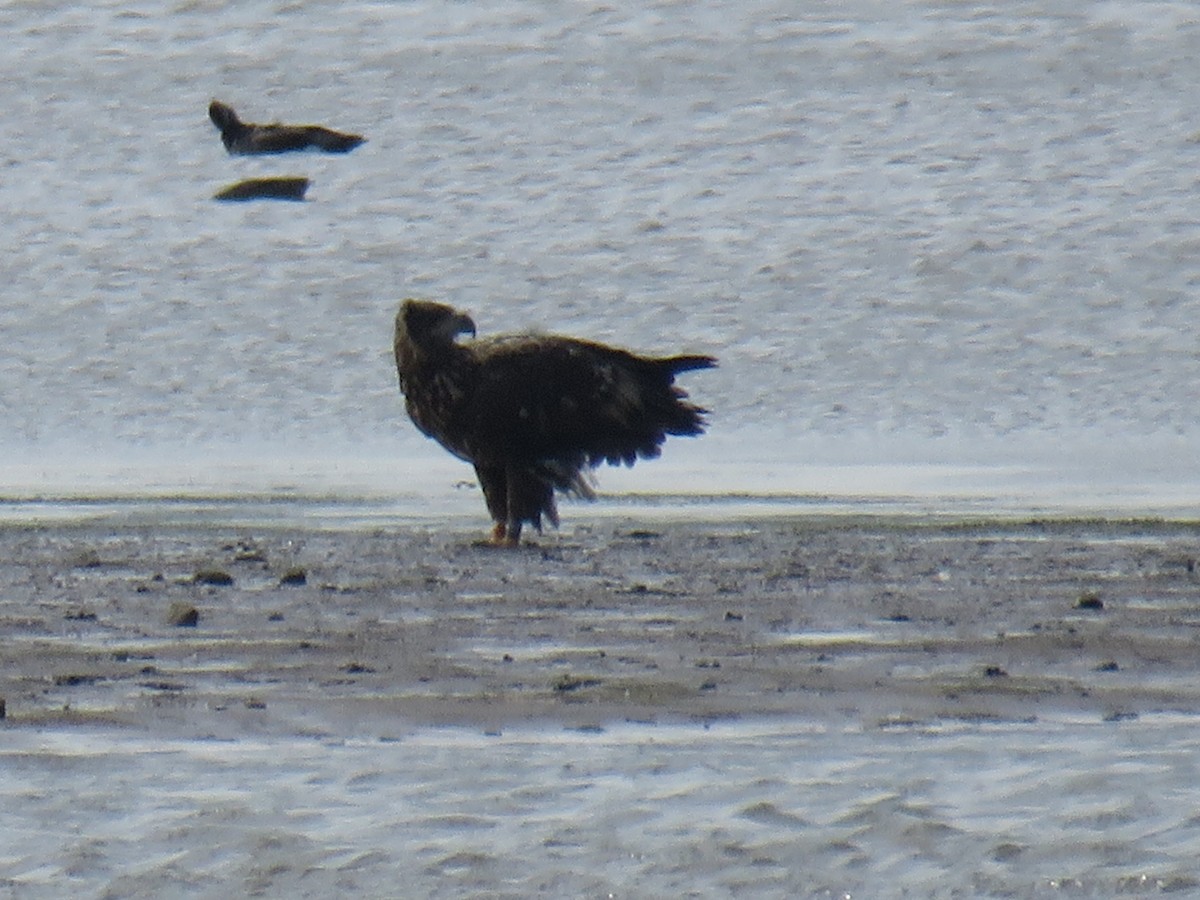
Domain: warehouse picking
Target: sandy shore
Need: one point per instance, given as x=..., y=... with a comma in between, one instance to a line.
x=605, y=636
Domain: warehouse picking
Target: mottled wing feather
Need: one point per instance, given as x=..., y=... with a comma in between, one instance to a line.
x=571, y=401
x=436, y=407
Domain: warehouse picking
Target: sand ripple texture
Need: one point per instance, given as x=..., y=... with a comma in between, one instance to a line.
x=820, y=707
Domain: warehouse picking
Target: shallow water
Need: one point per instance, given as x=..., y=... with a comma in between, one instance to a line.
x=1075, y=809
x=919, y=233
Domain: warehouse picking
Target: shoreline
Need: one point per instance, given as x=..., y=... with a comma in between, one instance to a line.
x=719, y=476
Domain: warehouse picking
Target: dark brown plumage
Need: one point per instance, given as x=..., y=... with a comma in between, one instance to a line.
x=245, y=138
x=533, y=413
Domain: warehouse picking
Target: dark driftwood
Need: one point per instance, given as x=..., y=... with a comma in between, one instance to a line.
x=264, y=189
x=247, y=138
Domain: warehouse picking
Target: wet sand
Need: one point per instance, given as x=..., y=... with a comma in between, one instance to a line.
x=826, y=639
x=874, y=620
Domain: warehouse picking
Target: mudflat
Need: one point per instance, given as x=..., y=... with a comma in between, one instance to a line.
x=873, y=620
x=761, y=706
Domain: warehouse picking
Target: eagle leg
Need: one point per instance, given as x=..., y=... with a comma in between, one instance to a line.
x=504, y=536
x=530, y=496
x=515, y=495
x=494, y=481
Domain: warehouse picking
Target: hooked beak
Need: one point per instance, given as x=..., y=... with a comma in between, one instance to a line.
x=463, y=324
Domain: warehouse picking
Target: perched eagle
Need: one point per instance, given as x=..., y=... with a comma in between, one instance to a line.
x=533, y=413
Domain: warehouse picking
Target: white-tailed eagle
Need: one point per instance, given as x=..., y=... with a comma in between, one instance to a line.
x=532, y=412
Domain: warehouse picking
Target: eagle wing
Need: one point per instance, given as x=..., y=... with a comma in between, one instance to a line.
x=573, y=403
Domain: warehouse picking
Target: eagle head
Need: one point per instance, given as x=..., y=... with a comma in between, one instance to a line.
x=430, y=325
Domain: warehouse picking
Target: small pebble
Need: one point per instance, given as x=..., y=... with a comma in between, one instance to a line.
x=88, y=559
x=566, y=683
x=294, y=577
x=182, y=615
x=1120, y=715
x=74, y=680
x=218, y=577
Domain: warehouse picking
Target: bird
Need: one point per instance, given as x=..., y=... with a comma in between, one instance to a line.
x=244, y=138
x=535, y=413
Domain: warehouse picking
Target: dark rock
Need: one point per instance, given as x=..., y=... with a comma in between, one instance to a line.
x=566, y=683
x=88, y=559
x=218, y=577
x=182, y=615
x=281, y=188
x=294, y=577
x=73, y=680
x=1120, y=715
